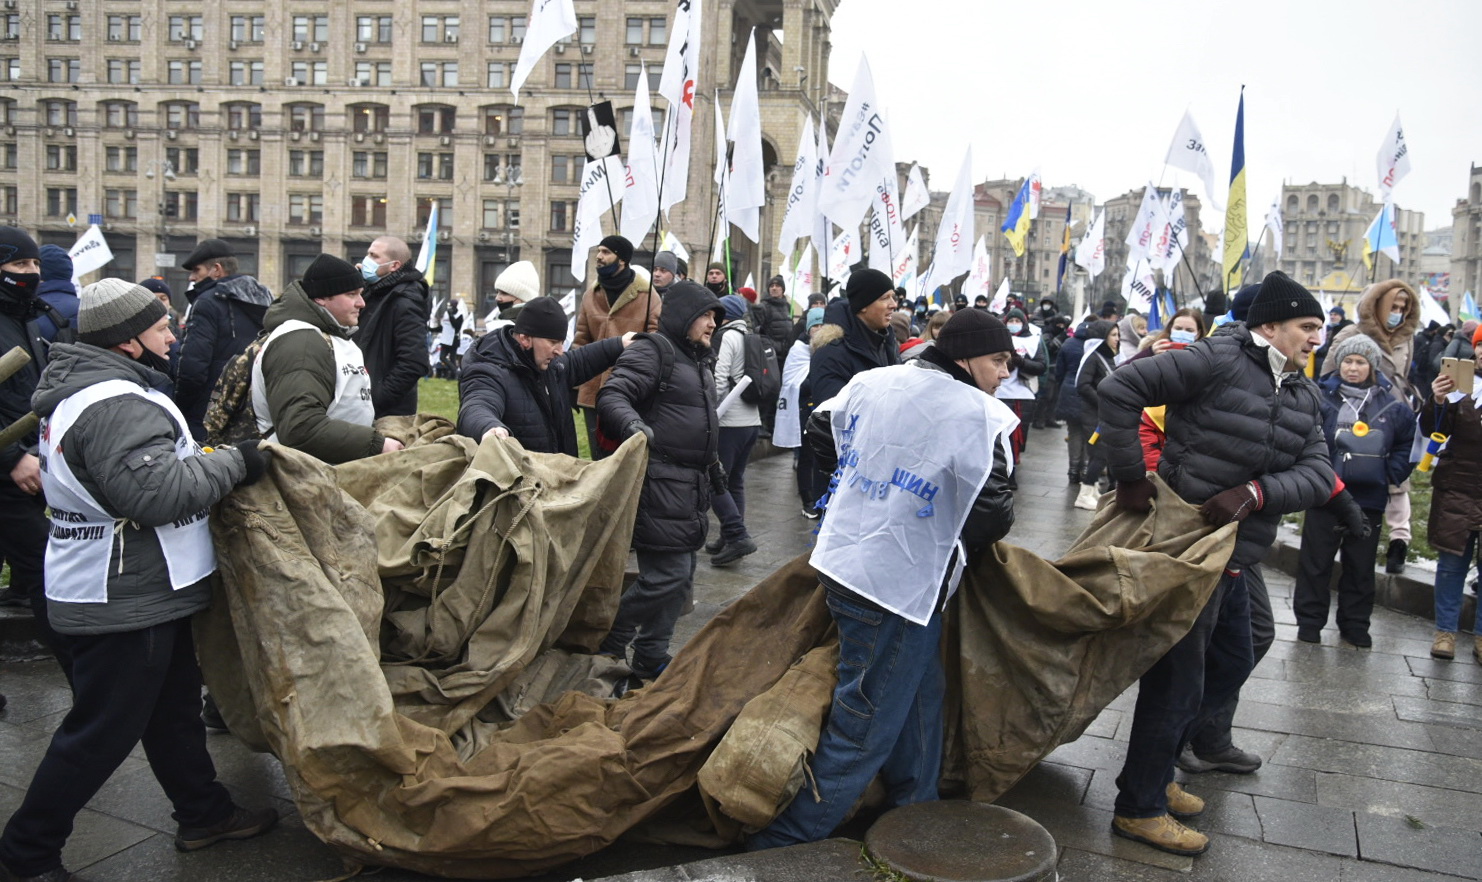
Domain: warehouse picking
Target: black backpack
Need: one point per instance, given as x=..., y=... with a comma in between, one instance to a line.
x=761, y=366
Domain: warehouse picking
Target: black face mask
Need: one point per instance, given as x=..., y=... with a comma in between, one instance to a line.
x=22, y=286
x=152, y=361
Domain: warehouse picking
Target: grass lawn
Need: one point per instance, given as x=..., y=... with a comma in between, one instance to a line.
x=441, y=397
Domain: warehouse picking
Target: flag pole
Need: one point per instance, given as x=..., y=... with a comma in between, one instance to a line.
x=586, y=73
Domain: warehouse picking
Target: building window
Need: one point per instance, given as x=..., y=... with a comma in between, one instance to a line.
x=444, y=213
x=306, y=163
x=185, y=160
x=243, y=116
x=64, y=28
x=563, y=169
x=182, y=115
x=183, y=73
x=370, y=117
x=61, y=157
x=244, y=163
x=562, y=213
x=181, y=205
x=625, y=121
x=10, y=200
x=373, y=73
x=10, y=26
x=305, y=117
x=373, y=29
x=631, y=72
x=242, y=208
x=121, y=159
x=246, y=73
x=499, y=166
x=249, y=28
x=504, y=120
x=120, y=114
x=573, y=76
x=368, y=164
x=506, y=29
x=186, y=27
x=63, y=70
x=564, y=121
x=311, y=28
x=58, y=113
x=436, y=119
x=493, y=209
x=9, y=155
x=305, y=208
x=123, y=71
x=435, y=166
x=439, y=28
x=121, y=203
x=310, y=73
x=10, y=69
x=586, y=28
x=497, y=75
x=658, y=31
x=634, y=32
x=368, y=211
x=439, y=73
x=125, y=28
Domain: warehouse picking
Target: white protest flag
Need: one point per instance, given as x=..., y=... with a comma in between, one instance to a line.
x=801, y=283
x=549, y=22
x=887, y=232
x=1035, y=186
x=1090, y=254
x=802, y=196
x=1431, y=309
x=822, y=231
x=1140, y=233
x=89, y=252
x=671, y=243
x=750, y=282
x=842, y=255
x=641, y=202
x=1274, y=227
x=857, y=163
x=904, y=270
x=979, y=277
x=1173, y=231
x=1188, y=153
x=722, y=180
x=1000, y=297
x=601, y=189
x=917, y=196
x=953, y=254
x=1138, y=287
x=677, y=86
x=748, y=177
x=1393, y=160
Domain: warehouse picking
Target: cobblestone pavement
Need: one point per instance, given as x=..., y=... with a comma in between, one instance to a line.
x=1373, y=759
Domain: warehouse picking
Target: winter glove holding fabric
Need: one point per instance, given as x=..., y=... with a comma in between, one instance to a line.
x=1136, y=495
x=1350, y=517
x=718, y=484
x=638, y=426
x=255, y=459
x=1233, y=505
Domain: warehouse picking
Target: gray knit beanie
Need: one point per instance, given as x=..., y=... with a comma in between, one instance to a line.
x=113, y=311
x=1358, y=344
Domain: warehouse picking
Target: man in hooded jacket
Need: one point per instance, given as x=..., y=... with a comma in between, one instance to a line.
x=224, y=318
x=662, y=387
x=392, y=326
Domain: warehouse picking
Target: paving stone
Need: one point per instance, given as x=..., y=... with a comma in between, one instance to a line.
x=34, y=689
x=1323, y=724
x=1455, y=691
x=94, y=837
x=1046, y=786
x=1369, y=871
x=1457, y=742
x=1461, y=669
x=1319, y=697
x=288, y=851
x=1432, y=805
x=1375, y=761
x=1083, y=866
x=1282, y=782
x=1243, y=860
x=1441, y=849
x=1444, y=713
x=1088, y=752
x=1106, y=724
x=1311, y=827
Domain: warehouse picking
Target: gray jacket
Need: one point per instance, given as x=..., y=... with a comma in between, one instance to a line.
x=122, y=451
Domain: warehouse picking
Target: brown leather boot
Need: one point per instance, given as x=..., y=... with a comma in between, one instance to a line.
x=1183, y=804
x=1162, y=833
x=1444, y=645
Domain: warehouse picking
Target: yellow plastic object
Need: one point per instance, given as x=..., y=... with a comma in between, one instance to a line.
x=1432, y=450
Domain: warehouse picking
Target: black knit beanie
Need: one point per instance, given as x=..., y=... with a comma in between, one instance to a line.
x=1282, y=298
x=865, y=287
x=329, y=275
x=619, y=246
x=15, y=244
x=542, y=317
x=972, y=332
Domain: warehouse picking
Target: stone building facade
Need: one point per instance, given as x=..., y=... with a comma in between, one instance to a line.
x=1466, y=241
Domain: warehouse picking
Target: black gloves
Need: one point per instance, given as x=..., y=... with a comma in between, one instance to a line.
x=1230, y=506
x=637, y=426
x=1350, y=517
x=255, y=459
x=1136, y=495
x=718, y=484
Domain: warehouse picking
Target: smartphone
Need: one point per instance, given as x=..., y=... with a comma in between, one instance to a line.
x=1461, y=371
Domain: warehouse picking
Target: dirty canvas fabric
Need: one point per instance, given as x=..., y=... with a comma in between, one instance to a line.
x=376, y=622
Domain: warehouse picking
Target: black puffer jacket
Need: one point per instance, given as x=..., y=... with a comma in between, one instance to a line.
x=499, y=386
x=1091, y=371
x=1228, y=423
x=672, y=513
x=18, y=328
x=855, y=349
x=777, y=324
x=222, y=322
x=392, y=336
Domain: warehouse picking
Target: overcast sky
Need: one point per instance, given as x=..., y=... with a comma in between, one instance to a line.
x=1090, y=91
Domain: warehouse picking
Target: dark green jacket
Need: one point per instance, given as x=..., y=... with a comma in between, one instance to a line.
x=299, y=372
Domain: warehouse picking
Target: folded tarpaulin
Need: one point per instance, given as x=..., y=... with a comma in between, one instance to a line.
x=369, y=615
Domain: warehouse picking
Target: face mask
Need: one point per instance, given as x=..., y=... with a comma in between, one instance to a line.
x=22, y=285
x=1181, y=336
x=1393, y=319
x=152, y=361
x=1015, y=327
x=369, y=269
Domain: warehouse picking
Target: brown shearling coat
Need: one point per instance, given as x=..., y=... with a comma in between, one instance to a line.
x=1397, y=345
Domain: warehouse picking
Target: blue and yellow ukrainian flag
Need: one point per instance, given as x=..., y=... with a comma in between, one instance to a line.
x=1064, y=252
x=1016, y=227
x=427, y=254
x=1237, y=242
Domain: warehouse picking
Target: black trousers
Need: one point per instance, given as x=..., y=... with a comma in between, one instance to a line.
x=1214, y=735
x=1357, y=554
x=23, y=532
x=128, y=687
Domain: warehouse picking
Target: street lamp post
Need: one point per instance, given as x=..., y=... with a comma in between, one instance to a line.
x=166, y=171
x=513, y=178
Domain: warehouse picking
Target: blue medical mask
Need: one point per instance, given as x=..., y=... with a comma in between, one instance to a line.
x=1182, y=336
x=1015, y=327
x=369, y=269
x=1393, y=319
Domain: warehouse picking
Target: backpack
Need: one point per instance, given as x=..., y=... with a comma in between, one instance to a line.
x=65, y=332
x=230, y=416
x=761, y=366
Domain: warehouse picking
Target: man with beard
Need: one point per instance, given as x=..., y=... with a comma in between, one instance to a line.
x=621, y=301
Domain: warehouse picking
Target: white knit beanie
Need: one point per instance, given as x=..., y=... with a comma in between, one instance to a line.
x=520, y=281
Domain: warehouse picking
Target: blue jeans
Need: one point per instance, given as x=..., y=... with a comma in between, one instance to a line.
x=1451, y=577
x=886, y=719
x=1181, y=692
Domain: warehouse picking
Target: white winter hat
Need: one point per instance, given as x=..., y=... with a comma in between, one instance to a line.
x=520, y=281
